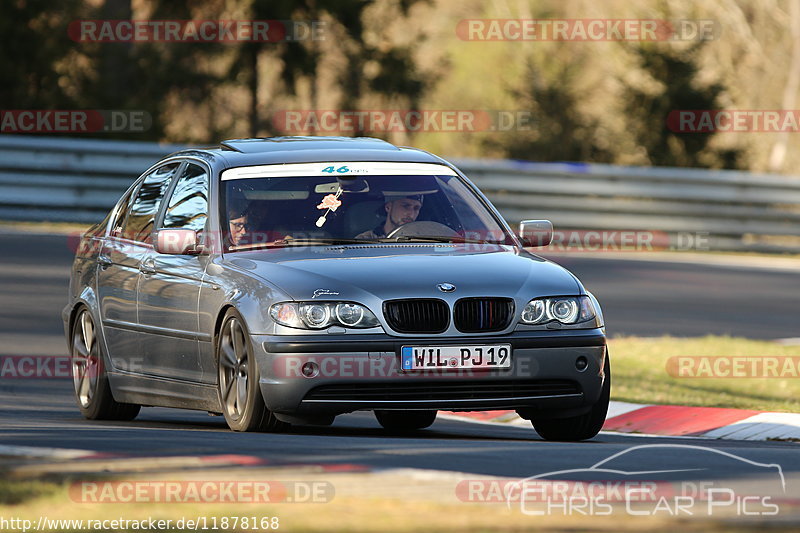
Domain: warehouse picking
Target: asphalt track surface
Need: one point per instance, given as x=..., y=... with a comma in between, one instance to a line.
x=639, y=297
x=41, y=413
x=646, y=298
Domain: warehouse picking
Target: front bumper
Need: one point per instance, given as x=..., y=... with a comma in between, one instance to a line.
x=362, y=372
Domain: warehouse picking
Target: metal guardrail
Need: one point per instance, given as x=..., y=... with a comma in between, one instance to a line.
x=77, y=180
x=725, y=210
x=69, y=180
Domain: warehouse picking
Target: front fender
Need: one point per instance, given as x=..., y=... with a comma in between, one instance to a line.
x=250, y=295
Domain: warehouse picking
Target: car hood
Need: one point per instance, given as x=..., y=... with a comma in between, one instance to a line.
x=404, y=271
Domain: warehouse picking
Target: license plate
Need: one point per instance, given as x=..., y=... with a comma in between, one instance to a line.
x=430, y=357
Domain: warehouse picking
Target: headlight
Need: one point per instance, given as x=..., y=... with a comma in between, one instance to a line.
x=320, y=315
x=349, y=314
x=533, y=312
x=315, y=315
x=564, y=310
x=567, y=310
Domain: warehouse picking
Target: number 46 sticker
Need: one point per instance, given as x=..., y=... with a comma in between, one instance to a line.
x=341, y=170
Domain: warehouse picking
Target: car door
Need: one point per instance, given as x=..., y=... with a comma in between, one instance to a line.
x=119, y=262
x=169, y=286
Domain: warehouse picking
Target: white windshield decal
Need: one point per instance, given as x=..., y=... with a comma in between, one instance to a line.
x=337, y=169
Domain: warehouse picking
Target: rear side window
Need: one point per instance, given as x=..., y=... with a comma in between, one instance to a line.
x=188, y=205
x=141, y=216
x=119, y=214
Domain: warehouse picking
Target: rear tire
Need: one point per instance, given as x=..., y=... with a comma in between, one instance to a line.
x=581, y=427
x=238, y=380
x=89, y=379
x=405, y=420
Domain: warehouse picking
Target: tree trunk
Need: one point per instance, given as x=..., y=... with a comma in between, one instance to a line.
x=777, y=157
x=253, y=87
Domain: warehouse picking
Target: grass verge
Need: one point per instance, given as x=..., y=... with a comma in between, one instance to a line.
x=404, y=512
x=640, y=370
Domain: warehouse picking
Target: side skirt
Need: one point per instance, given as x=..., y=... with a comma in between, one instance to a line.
x=164, y=392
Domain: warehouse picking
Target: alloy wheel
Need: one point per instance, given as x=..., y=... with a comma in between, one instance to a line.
x=233, y=368
x=85, y=360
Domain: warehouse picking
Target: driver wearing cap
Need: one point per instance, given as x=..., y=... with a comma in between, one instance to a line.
x=400, y=210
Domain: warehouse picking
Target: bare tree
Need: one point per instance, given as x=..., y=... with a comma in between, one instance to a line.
x=777, y=156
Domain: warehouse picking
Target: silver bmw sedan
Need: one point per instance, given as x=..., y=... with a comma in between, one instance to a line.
x=289, y=280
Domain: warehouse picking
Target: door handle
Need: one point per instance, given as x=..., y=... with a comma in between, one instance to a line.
x=148, y=266
x=104, y=261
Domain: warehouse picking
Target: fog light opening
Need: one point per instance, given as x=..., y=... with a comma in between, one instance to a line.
x=310, y=370
x=581, y=363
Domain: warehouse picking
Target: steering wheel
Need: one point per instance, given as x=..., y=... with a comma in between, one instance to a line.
x=423, y=228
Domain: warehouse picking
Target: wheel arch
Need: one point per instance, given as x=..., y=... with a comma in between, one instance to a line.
x=87, y=300
x=73, y=316
x=218, y=322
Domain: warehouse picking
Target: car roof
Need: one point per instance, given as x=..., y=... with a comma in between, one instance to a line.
x=276, y=150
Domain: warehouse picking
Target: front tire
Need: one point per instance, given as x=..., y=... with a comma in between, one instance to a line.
x=89, y=379
x=581, y=427
x=238, y=380
x=405, y=420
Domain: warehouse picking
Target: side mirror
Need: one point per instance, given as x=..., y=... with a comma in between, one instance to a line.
x=536, y=233
x=177, y=242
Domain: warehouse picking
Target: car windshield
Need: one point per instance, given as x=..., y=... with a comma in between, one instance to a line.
x=272, y=209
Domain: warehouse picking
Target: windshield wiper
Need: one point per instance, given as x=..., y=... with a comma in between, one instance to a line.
x=284, y=243
x=295, y=242
x=438, y=238
x=320, y=240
